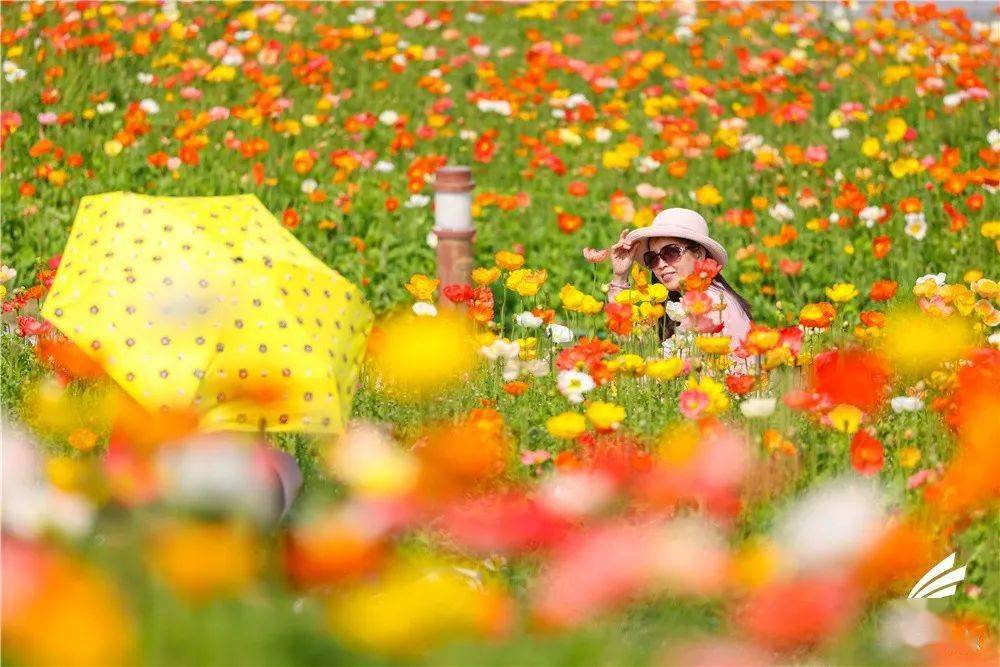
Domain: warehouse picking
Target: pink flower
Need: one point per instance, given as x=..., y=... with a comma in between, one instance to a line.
x=29, y=326
x=415, y=19
x=693, y=403
x=218, y=113
x=217, y=49
x=919, y=478
x=530, y=457
x=647, y=191
x=47, y=118
x=190, y=93
x=595, y=256
x=816, y=155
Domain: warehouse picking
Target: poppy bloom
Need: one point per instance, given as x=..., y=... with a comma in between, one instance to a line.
x=817, y=315
x=619, y=318
x=867, y=453
x=883, y=290
x=852, y=377
x=881, y=245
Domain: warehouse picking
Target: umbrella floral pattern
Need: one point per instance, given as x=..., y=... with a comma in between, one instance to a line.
x=518, y=468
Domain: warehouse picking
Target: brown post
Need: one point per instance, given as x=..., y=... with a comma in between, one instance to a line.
x=453, y=224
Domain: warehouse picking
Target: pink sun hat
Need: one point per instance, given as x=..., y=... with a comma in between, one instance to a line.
x=681, y=223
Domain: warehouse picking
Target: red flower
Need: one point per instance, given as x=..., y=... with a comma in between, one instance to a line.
x=790, y=267
x=290, y=218
x=883, y=290
x=881, y=245
x=800, y=612
x=457, y=293
x=853, y=377
x=867, y=454
x=619, y=318
x=485, y=146
x=29, y=326
x=701, y=277
x=568, y=223
x=740, y=384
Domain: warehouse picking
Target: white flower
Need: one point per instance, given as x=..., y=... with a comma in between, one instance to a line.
x=144, y=78
x=388, y=117
x=384, y=166
x=993, y=138
x=751, y=142
x=938, y=279
x=647, y=164
x=105, y=107
x=149, y=106
x=309, y=185
x=906, y=404
x=9, y=66
x=954, y=99
x=242, y=35
x=500, y=348
x=916, y=226
x=417, y=201
x=467, y=135
x=472, y=17
x=870, y=214
x=832, y=524
x=841, y=133
x=674, y=310
x=602, y=135
x=501, y=107
x=909, y=623
x=432, y=239
x=528, y=320
x=559, y=333
x=15, y=75
x=233, y=58
x=994, y=340
x=425, y=309
x=576, y=493
x=782, y=212
x=362, y=16
x=536, y=367
x=574, y=384
x=7, y=273
x=511, y=369
x=757, y=408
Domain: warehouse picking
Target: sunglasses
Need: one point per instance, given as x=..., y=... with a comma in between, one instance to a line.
x=669, y=253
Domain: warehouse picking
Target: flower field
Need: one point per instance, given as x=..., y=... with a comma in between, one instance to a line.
x=525, y=473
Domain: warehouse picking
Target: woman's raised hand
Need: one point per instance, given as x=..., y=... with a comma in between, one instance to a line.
x=622, y=255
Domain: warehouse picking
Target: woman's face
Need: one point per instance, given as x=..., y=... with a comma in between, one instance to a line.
x=673, y=274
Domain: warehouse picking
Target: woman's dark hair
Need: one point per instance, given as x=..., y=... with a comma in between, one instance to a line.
x=667, y=326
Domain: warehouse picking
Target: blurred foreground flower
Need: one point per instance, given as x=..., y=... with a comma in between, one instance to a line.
x=416, y=606
x=58, y=611
x=916, y=343
x=415, y=357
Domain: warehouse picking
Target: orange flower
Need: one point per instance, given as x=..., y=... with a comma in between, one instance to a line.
x=883, y=290
x=568, y=223
x=516, y=387
x=881, y=245
x=817, y=315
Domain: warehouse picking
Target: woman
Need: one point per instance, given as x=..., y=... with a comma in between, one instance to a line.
x=670, y=247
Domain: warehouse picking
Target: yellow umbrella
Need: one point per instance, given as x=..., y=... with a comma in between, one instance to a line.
x=208, y=302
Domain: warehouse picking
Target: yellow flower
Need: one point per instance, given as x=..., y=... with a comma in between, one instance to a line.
x=484, y=276
x=508, y=261
x=650, y=311
x=566, y=426
x=527, y=348
x=986, y=288
x=605, y=416
x=591, y=306
x=708, y=195
x=526, y=282
x=657, y=292
x=627, y=363
x=422, y=287
x=112, y=147
x=895, y=130
x=870, y=147
x=904, y=167
x=65, y=473
x=629, y=296
x=713, y=344
x=419, y=356
x=755, y=563
x=221, y=73
x=664, y=369
x=718, y=400
x=571, y=297
x=779, y=356
x=917, y=344
x=841, y=292
x=909, y=457
x=845, y=418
